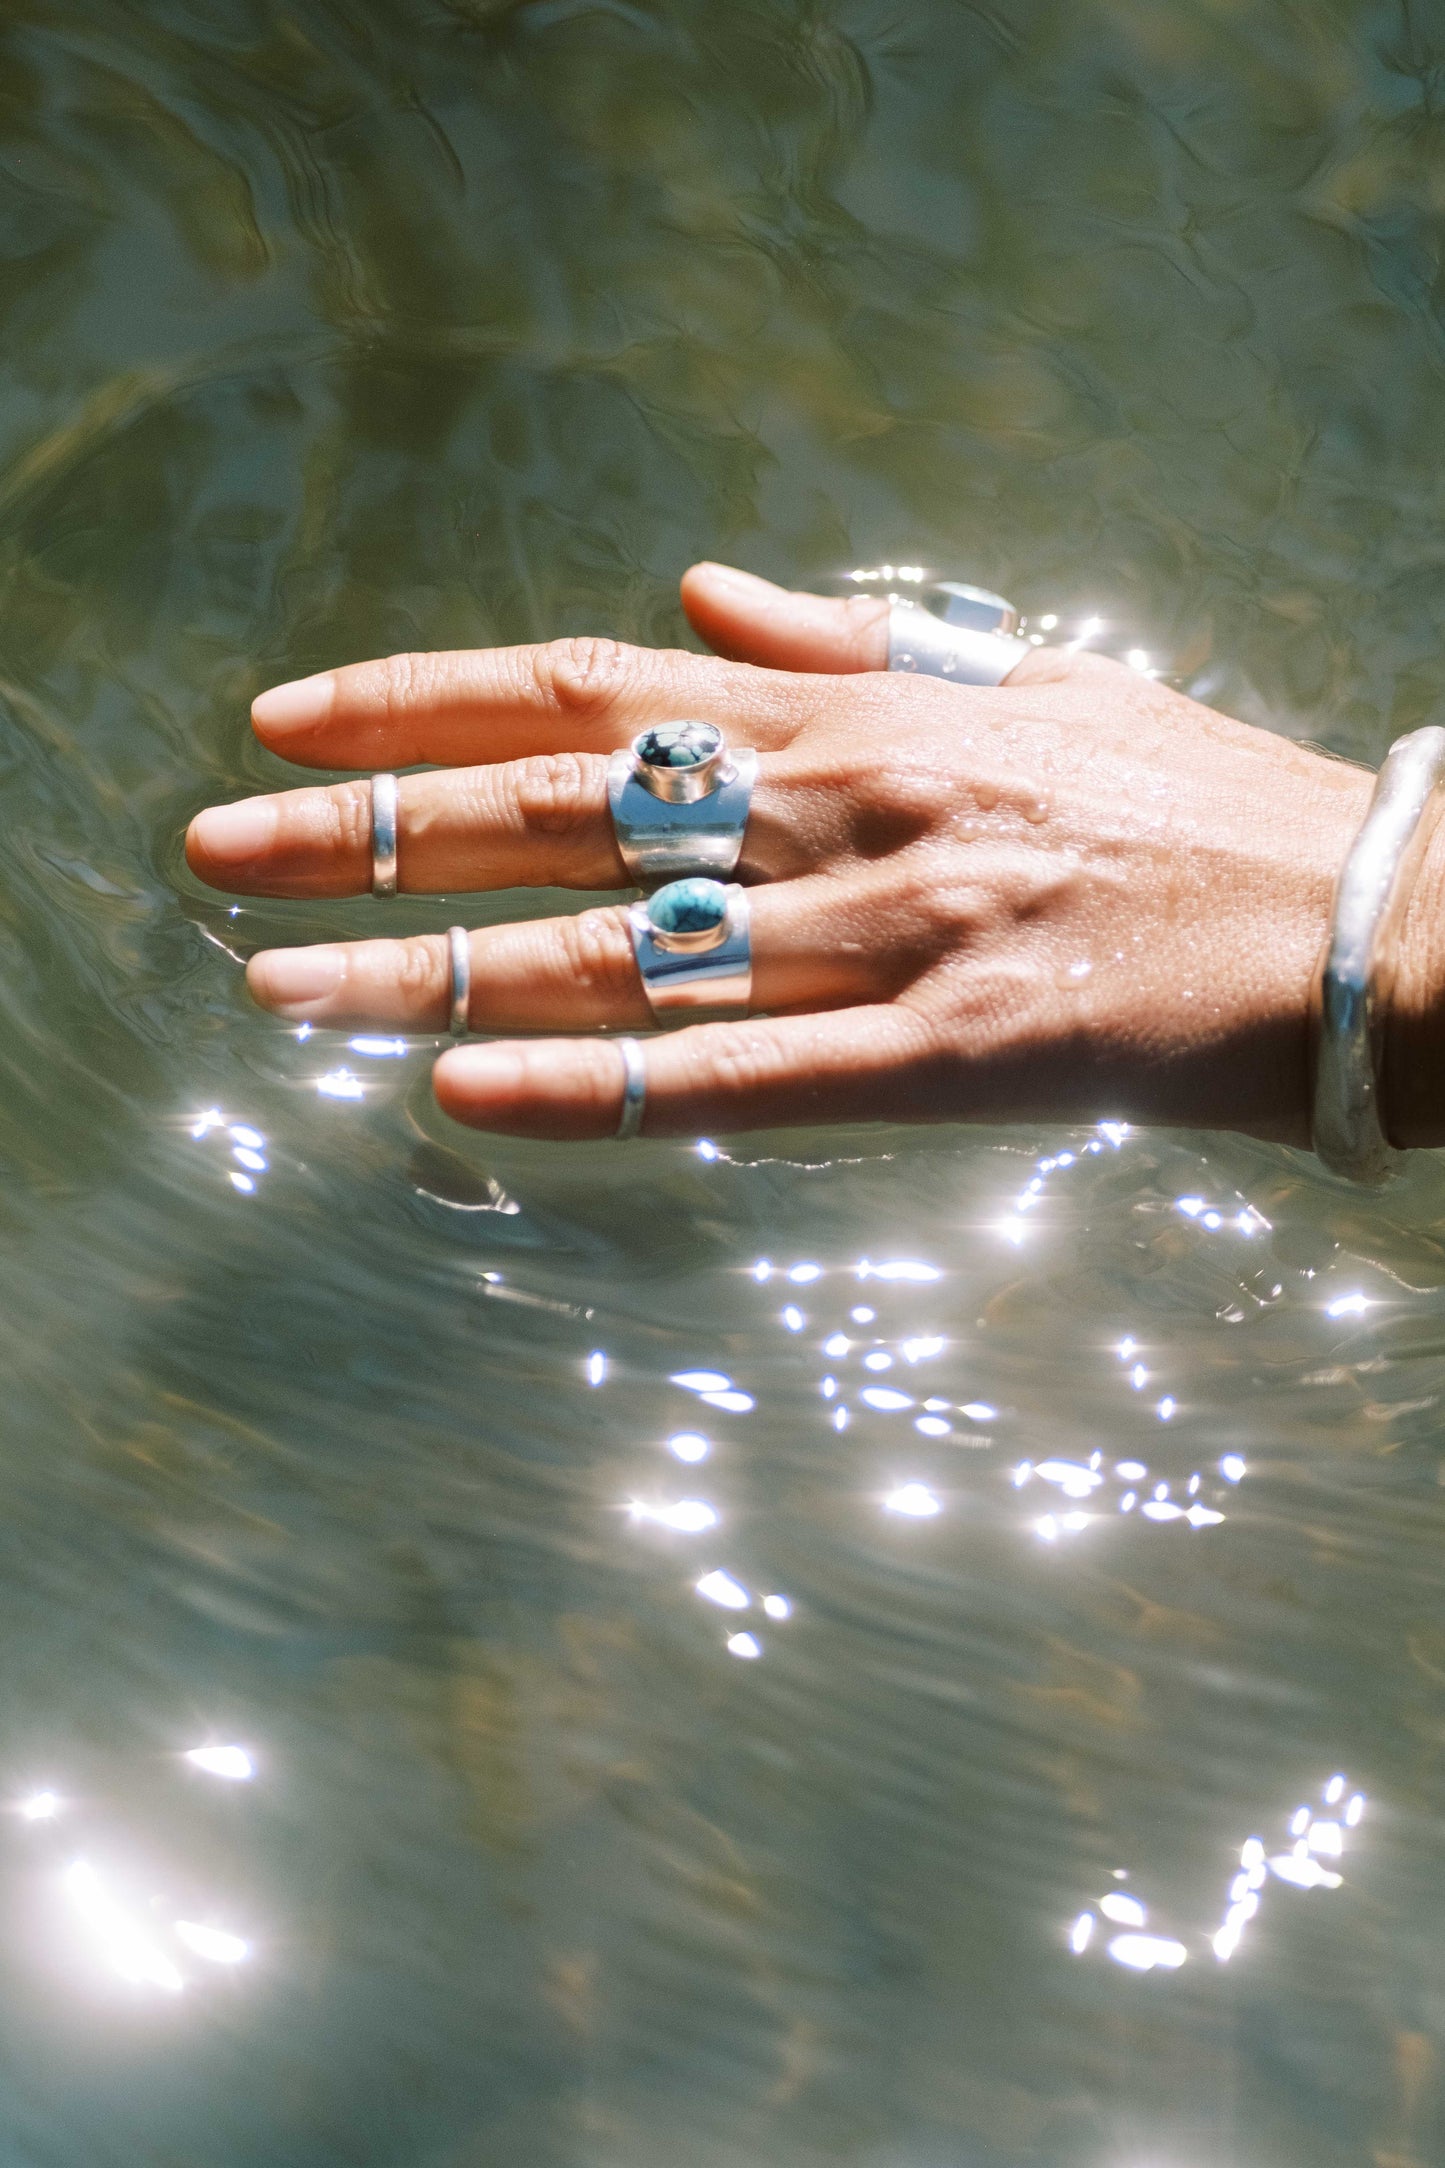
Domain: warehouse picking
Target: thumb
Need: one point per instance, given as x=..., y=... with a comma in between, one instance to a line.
x=751, y=620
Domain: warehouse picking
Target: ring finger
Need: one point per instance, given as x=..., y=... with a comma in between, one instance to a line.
x=536, y=823
x=574, y=974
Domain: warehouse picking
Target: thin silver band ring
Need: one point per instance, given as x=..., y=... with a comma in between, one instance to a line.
x=459, y=942
x=634, y=1089
x=383, y=835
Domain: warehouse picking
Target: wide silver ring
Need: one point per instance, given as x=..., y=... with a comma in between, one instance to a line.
x=383, y=835
x=947, y=629
x=693, y=945
x=634, y=1089
x=460, y=945
x=679, y=798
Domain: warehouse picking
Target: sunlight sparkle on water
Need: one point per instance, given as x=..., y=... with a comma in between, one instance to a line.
x=689, y=1445
x=39, y=1806
x=745, y=1645
x=1348, y=1306
x=596, y=1367
x=685, y=1516
x=379, y=1049
x=914, y=1501
x=1141, y=1953
x=215, y=1944
x=1081, y=1933
x=340, y=1084
x=233, y=1763
x=119, y=1939
x=720, y=1587
x=884, y=1397
x=777, y=1607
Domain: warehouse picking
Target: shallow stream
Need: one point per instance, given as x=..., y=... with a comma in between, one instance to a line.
x=1014, y=1737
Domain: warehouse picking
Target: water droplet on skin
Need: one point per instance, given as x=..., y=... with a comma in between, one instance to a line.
x=1036, y=811
x=985, y=796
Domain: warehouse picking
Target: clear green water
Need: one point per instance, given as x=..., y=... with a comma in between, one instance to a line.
x=329, y=329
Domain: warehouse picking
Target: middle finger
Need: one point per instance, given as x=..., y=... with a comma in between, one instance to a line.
x=536, y=823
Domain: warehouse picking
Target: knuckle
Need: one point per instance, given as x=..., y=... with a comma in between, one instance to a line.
x=586, y=673
x=418, y=970
x=739, y=1061
x=399, y=674
x=348, y=819
x=553, y=794
x=597, y=953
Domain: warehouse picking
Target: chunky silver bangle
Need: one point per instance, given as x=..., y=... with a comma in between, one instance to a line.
x=1357, y=977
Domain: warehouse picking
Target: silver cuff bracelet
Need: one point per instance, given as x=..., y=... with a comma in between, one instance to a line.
x=1357, y=977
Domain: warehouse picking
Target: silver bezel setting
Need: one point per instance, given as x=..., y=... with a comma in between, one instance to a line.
x=686, y=972
x=674, y=822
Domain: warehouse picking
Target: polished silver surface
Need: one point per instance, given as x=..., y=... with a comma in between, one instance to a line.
x=712, y=971
x=634, y=1089
x=1358, y=972
x=666, y=838
x=384, y=796
x=460, y=945
x=966, y=648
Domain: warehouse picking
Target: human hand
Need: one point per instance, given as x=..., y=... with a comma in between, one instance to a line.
x=1076, y=896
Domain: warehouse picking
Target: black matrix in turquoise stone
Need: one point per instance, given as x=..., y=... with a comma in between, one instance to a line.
x=692, y=906
x=678, y=745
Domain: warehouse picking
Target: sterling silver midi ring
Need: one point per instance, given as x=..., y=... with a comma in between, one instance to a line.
x=383, y=835
x=459, y=942
x=634, y=1089
x=694, y=948
x=679, y=798
x=946, y=629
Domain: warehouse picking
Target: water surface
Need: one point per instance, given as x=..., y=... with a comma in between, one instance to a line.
x=340, y=1437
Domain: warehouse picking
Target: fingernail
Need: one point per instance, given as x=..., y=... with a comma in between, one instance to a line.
x=484, y=1069
x=291, y=981
x=742, y=583
x=291, y=707
x=236, y=832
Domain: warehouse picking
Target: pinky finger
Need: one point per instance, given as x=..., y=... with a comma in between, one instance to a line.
x=868, y=1064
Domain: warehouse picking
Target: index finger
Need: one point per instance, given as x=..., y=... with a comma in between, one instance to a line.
x=504, y=703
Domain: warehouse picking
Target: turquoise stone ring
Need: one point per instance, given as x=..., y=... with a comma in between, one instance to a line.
x=693, y=945
x=679, y=745
x=693, y=907
x=679, y=798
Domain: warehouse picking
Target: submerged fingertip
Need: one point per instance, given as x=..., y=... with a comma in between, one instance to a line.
x=293, y=982
x=296, y=705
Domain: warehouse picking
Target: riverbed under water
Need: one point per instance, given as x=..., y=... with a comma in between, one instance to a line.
x=1015, y=1737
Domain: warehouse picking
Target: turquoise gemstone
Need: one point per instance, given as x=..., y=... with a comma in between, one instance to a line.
x=694, y=906
x=678, y=745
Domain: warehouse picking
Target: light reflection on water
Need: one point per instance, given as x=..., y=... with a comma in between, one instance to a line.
x=645, y=1714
